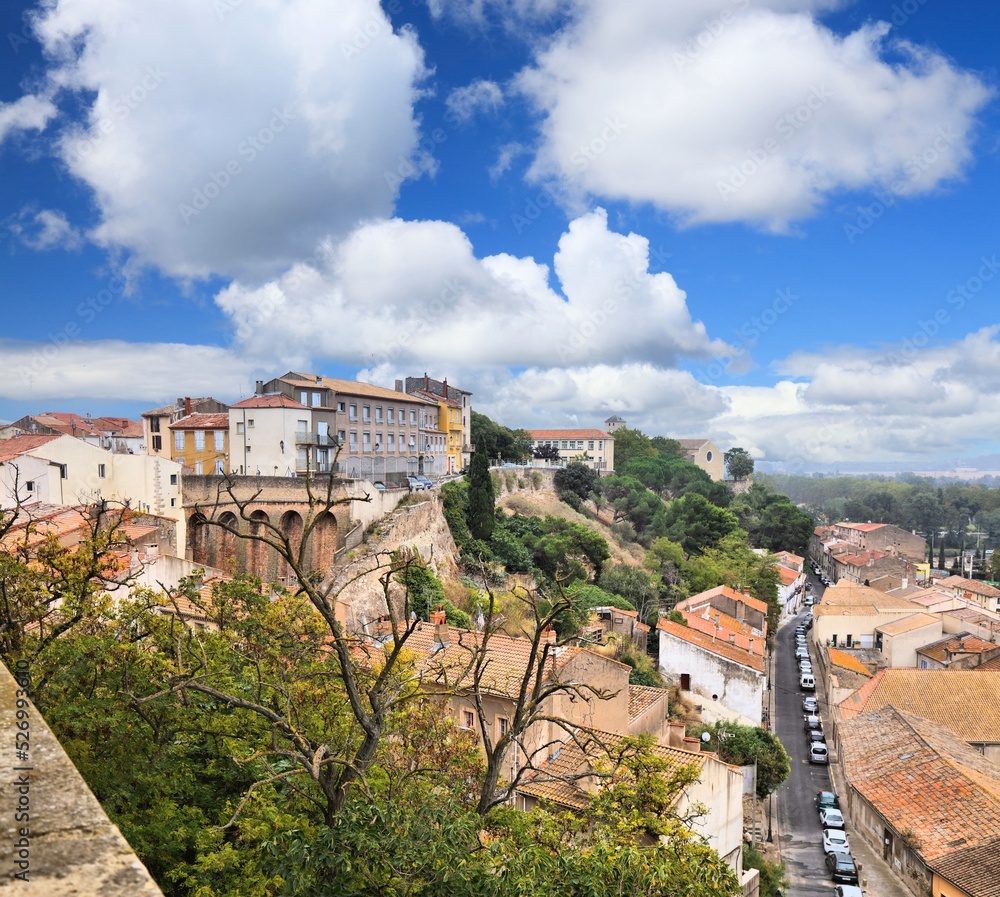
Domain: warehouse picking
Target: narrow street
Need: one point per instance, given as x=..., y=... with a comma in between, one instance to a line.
x=796, y=825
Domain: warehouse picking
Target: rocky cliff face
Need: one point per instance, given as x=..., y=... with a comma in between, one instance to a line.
x=421, y=528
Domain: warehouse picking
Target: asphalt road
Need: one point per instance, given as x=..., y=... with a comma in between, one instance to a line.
x=796, y=820
x=799, y=833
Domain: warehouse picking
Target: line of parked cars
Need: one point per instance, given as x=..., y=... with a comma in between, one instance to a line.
x=807, y=682
x=836, y=847
x=419, y=483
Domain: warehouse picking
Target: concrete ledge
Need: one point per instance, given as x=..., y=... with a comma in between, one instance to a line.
x=49, y=818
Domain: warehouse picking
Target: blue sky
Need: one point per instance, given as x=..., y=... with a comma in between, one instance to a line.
x=772, y=224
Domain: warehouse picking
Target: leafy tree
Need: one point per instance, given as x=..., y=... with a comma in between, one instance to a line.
x=455, y=507
x=496, y=441
x=569, y=551
x=425, y=590
x=546, y=453
x=668, y=448
x=697, y=524
x=739, y=463
x=773, y=875
x=744, y=745
x=576, y=477
x=482, y=499
x=631, y=444
x=635, y=586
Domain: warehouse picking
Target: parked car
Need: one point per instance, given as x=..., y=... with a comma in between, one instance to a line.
x=812, y=721
x=810, y=704
x=848, y=891
x=428, y=483
x=842, y=868
x=807, y=682
x=826, y=800
x=378, y=484
x=818, y=754
x=831, y=817
x=802, y=651
x=416, y=485
x=835, y=841
x=816, y=737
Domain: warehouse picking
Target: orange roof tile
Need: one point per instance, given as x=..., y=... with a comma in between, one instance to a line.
x=351, y=387
x=717, y=646
x=271, y=400
x=962, y=643
x=570, y=434
x=918, y=776
x=862, y=527
x=642, y=697
x=909, y=624
x=976, y=870
x=848, y=662
x=21, y=445
x=199, y=421
x=944, y=696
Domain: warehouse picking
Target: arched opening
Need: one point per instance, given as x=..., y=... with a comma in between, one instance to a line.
x=324, y=543
x=261, y=559
x=227, y=542
x=198, y=538
x=291, y=528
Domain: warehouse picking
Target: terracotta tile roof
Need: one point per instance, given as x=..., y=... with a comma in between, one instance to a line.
x=570, y=434
x=642, y=697
x=692, y=445
x=204, y=421
x=989, y=667
x=789, y=556
x=564, y=778
x=786, y=575
x=37, y=525
x=918, y=776
x=728, y=592
x=21, y=445
x=862, y=527
x=978, y=588
x=174, y=407
x=966, y=701
x=717, y=646
x=850, y=595
x=271, y=400
x=508, y=658
x=435, y=398
x=909, y=624
x=729, y=628
x=351, y=388
x=962, y=643
x=976, y=870
x=848, y=661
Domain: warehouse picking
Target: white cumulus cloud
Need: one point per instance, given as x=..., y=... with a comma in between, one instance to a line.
x=226, y=138
x=734, y=112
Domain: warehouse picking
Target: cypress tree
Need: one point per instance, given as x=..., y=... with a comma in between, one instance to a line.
x=941, y=556
x=482, y=500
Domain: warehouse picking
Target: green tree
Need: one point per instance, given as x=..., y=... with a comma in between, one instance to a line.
x=745, y=745
x=576, y=477
x=631, y=444
x=424, y=589
x=739, y=463
x=635, y=586
x=481, y=500
x=697, y=524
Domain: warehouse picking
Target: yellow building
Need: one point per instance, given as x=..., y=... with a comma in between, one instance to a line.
x=200, y=442
x=454, y=413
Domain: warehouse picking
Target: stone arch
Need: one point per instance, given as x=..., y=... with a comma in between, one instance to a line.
x=324, y=543
x=291, y=528
x=227, y=543
x=199, y=537
x=261, y=559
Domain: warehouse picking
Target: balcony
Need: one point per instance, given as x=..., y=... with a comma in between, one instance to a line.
x=468, y=448
x=310, y=437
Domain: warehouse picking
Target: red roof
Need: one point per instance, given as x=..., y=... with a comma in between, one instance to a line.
x=21, y=445
x=271, y=400
x=862, y=527
x=718, y=646
x=203, y=422
x=569, y=434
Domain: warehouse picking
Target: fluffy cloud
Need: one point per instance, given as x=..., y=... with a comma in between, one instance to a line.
x=464, y=102
x=730, y=112
x=409, y=291
x=226, y=138
x=29, y=113
x=44, y=230
x=887, y=405
x=113, y=370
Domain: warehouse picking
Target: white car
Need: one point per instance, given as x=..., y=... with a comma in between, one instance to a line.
x=818, y=753
x=835, y=841
x=831, y=817
x=848, y=891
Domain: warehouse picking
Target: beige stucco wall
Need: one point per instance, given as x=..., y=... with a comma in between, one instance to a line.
x=901, y=650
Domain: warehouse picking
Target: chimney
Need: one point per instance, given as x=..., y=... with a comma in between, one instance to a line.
x=751, y=646
x=399, y=386
x=444, y=389
x=548, y=636
x=675, y=735
x=692, y=744
x=441, y=634
x=732, y=638
x=427, y=382
x=319, y=379
x=259, y=388
x=187, y=405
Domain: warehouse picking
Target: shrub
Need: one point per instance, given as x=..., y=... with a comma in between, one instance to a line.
x=536, y=479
